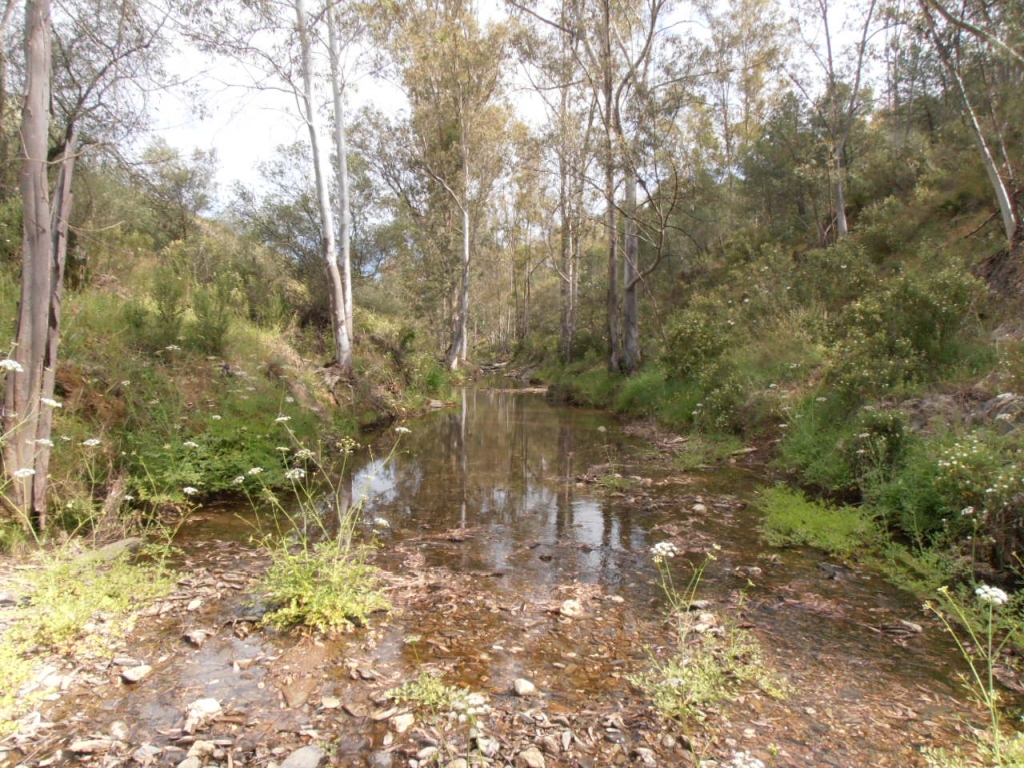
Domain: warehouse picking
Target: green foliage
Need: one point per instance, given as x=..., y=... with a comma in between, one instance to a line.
x=327, y=586
x=643, y=393
x=704, y=450
x=907, y=332
x=695, y=337
x=792, y=520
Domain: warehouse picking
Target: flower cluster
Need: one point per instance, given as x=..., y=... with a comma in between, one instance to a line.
x=664, y=550
x=295, y=474
x=189, y=490
x=11, y=365
x=993, y=595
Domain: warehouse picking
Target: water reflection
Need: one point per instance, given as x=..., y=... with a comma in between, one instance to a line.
x=506, y=464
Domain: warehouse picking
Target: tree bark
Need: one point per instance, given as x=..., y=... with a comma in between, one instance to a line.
x=631, y=284
x=341, y=159
x=611, y=224
x=22, y=406
x=339, y=324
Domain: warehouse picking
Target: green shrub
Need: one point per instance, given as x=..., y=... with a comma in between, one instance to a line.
x=695, y=337
x=643, y=393
x=792, y=520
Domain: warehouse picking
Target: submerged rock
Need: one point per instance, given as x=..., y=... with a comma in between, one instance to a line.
x=524, y=687
x=136, y=674
x=530, y=758
x=306, y=757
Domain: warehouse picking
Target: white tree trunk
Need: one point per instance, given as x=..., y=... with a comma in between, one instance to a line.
x=339, y=325
x=341, y=159
x=24, y=388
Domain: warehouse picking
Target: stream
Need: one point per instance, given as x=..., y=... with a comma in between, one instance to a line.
x=509, y=554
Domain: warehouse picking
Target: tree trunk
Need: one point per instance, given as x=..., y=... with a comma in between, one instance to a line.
x=457, y=352
x=341, y=159
x=21, y=417
x=339, y=325
x=631, y=285
x=839, y=195
x=612, y=302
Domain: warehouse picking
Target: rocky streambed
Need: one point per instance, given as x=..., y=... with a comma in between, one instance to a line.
x=520, y=575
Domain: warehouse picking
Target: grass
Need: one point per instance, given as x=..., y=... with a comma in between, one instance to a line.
x=790, y=520
x=710, y=662
x=74, y=606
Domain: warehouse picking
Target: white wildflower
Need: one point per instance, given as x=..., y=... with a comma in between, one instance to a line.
x=304, y=453
x=403, y=430
x=129, y=497
x=44, y=441
x=172, y=348
x=11, y=365
x=254, y=471
x=281, y=419
x=966, y=511
x=49, y=401
x=380, y=522
x=663, y=550
x=215, y=417
x=289, y=399
x=24, y=472
x=295, y=474
x=188, y=490
x=92, y=442
x=190, y=444
x=993, y=595
x=282, y=448
x=239, y=480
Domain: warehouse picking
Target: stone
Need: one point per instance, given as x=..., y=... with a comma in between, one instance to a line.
x=403, y=722
x=571, y=608
x=488, y=747
x=202, y=748
x=524, y=687
x=530, y=758
x=306, y=757
x=699, y=508
x=91, y=746
x=191, y=762
x=381, y=760
x=330, y=702
x=119, y=730
x=458, y=762
x=196, y=637
x=199, y=712
x=146, y=754
x=136, y=674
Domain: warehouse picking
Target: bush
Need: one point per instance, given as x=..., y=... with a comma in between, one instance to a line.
x=697, y=336
x=791, y=520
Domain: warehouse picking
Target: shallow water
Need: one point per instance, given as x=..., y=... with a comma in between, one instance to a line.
x=493, y=506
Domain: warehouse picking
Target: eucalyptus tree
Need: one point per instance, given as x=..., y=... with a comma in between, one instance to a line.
x=843, y=68
x=981, y=49
x=89, y=65
x=553, y=56
x=297, y=47
x=451, y=69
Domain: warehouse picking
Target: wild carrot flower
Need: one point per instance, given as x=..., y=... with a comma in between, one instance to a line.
x=92, y=442
x=304, y=453
x=190, y=444
x=24, y=472
x=664, y=550
x=282, y=418
x=239, y=480
x=403, y=430
x=188, y=490
x=44, y=441
x=993, y=595
x=254, y=471
x=50, y=402
x=295, y=474
x=11, y=365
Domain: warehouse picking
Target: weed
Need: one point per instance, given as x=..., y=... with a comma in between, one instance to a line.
x=989, y=633
x=792, y=520
x=711, y=661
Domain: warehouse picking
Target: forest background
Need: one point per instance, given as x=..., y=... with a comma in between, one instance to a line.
x=792, y=228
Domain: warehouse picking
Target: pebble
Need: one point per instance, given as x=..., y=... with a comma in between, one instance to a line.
x=199, y=712
x=306, y=757
x=700, y=509
x=119, y=730
x=571, y=608
x=191, y=762
x=403, y=723
x=330, y=702
x=196, y=637
x=530, y=758
x=90, y=746
x=458, y=762
x=381, y=760
x=524, y=687
x=201, y=748
x=146, y=754
x=136, y=674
